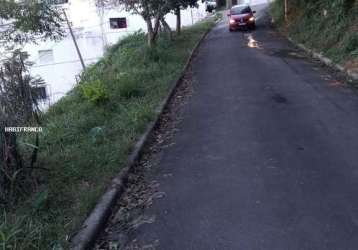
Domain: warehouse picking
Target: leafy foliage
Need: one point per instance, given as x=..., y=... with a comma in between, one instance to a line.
x=18, y=107
x=19, y=233
x=30, y=20
x=84, y=145
x=95, y=91
x=153, y=12
x=329, y=26
x=20, y=22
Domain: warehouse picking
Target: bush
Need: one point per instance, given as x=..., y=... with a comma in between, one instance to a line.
x=95, y=91
x=328, y=26
x=19, y=233
x=85, y=145
x=276, y=10
x=351, y=43
x=130, y=89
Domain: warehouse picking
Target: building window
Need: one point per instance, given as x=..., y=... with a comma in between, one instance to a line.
x=118, y=23
x=46, y=56
x=40, y=93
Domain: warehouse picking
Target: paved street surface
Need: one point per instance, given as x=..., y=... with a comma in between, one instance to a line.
x=266, y=156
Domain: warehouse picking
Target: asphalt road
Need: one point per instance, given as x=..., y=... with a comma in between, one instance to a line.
x=266, y=156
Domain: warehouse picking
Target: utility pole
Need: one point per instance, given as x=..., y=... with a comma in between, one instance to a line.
x=228, y=4
x=74, y=41
x=286, y=11
x=192, y=18
x=100, y=7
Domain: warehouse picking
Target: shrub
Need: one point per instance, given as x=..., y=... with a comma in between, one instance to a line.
x=85, y=145
x=276, y=9
x=19, y=233
x=328, y=26
x=351, y=43
x=95, y=91
x=130, y=89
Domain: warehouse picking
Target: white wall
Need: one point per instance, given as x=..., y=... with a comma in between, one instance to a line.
x=60, y=73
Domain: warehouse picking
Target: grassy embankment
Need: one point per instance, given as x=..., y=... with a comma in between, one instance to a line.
x=89, y=134
x=327, y=26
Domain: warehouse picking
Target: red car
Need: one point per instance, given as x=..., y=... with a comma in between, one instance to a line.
x=241, y=16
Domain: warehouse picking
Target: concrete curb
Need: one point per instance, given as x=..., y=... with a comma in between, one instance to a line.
x=97, y=219
x=325, y=60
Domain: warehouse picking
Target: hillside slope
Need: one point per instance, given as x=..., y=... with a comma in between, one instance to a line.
x=88, y=135
x=327, y=26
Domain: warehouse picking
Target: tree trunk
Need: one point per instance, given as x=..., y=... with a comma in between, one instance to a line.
x=286, y=11
x=152, y=31
x=166, y=28
x=34, y=153
x=178, y=14
x=151, y=36
x=12, y=162
x=228, y=4
x=2, y=166
x=151, y=39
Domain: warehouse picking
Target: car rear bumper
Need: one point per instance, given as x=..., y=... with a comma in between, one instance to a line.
x=244, y=25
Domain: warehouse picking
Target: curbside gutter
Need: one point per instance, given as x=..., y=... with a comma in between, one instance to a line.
x=92, y=226
x=325, y=60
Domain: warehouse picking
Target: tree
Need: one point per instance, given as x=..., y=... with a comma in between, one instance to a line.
x=20, y=22
x=18, y=108
x=28, y=21
x=177, y=5
x=152, y=11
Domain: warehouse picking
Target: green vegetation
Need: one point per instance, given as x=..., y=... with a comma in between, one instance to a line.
x=95, y=91
x=20, y=22
x=328, y=26
x=30, y=20
x=89, y=134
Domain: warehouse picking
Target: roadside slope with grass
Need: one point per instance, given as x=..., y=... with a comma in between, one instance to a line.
x=329, y=27
x=89, y=134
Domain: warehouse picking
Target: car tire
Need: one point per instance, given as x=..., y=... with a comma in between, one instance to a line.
x=231, y=30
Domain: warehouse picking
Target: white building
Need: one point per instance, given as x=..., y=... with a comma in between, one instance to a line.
x=58, y=63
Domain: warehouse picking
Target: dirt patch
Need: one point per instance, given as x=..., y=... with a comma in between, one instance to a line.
x=288, y=53
x=352, y=66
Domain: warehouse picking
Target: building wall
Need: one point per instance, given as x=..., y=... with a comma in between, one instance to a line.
x=57, y=62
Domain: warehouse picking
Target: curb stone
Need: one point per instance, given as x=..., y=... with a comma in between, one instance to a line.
x=328, y=62
x=97, y=219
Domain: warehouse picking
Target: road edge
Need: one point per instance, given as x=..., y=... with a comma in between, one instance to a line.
x=325, y=60
x=97, y=219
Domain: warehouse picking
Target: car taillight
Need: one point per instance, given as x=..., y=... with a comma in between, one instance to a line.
x=232, y=21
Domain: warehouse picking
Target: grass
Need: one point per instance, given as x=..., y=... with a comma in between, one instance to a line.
x=89, y=133
x=328, y=26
